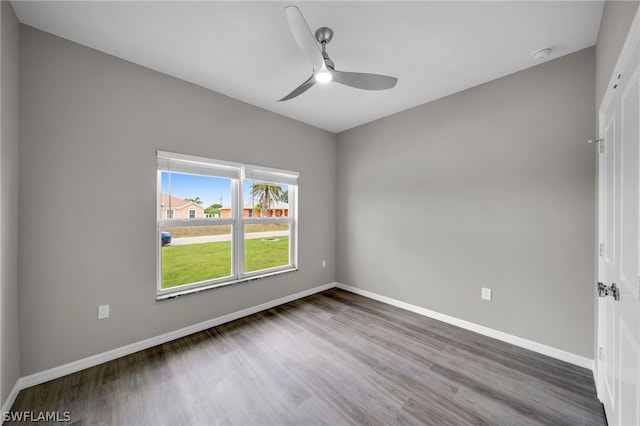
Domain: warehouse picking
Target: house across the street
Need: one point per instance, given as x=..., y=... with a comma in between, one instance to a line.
x=177, y=208
x=251, y=209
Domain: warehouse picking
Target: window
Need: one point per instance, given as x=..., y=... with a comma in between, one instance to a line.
x=253, y=235
x=266, y=225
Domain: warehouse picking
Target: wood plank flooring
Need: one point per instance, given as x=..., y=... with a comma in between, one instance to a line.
x=332, y=358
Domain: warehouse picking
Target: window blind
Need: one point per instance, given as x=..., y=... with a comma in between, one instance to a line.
x=181, y=163
x=271, y=175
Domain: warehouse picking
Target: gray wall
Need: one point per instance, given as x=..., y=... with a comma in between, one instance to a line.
x=90, y=127
x=494, y=187
x=617, y=17
x=9, y=341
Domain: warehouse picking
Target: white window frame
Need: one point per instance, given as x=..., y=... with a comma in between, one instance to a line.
x=237, y=173
x=194, y=213
x=170, y=213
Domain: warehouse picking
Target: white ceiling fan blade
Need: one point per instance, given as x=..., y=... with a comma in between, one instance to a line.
x=304, y=37
x=363, y=80
x=300, y=89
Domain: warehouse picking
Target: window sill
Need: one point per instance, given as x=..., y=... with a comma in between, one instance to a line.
x=168, y=296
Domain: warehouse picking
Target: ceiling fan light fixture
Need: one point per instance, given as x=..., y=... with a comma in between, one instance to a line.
x=323, y=76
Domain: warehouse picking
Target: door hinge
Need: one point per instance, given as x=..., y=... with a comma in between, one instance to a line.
x=614, y=291
x=603, y=290
x=601, y=249
x=601, y=146
x=601, y=353
x=615, y=86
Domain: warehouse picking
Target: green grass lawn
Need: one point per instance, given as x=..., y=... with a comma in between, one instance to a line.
x=199, y=262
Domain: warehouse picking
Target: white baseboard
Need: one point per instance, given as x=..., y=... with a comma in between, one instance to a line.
x=596, y=379
x=75, y=366
x=486, y=331
x=11, y=398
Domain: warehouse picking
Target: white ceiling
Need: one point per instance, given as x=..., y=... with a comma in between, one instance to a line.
x=245, y=50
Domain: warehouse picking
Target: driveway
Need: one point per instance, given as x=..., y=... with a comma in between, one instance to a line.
x=225, y=237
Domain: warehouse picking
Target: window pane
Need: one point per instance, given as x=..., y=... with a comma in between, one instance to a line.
x=195, y=253
x=266, y=246
x=265, y=199
x=186, y=196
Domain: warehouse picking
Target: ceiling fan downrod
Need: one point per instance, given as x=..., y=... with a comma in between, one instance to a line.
x=324, y=36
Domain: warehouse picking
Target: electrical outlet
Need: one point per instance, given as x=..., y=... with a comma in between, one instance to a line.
x=486, y=293
x=103, y=311
x=324, y=263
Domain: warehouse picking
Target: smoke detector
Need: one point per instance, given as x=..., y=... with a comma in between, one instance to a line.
x=541, y=53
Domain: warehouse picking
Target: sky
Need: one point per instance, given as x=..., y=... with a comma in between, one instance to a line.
x=209, y=189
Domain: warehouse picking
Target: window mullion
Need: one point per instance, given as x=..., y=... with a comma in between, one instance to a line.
x=158, y=231
x=293, y=225
x=238, y=228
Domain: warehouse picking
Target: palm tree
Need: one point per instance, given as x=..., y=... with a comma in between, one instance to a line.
x=257, y=208
x=196, y=200
x=267, y=193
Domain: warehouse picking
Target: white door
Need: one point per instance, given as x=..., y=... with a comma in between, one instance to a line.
x=619, y=234
x=607, y=312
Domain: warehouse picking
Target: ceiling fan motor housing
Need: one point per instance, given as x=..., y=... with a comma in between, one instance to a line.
x=324, y=35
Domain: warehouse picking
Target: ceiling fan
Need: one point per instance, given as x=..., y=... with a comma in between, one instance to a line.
x=323, y=67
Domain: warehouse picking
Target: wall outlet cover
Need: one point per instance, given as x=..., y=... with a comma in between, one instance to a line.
x=103, y=311
x=486, y=293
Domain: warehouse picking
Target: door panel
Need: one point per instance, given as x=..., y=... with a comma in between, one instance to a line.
x=629, y=352
x=628, y=307
x=607, y=263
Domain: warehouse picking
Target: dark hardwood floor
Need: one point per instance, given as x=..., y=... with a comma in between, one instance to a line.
x=332, y=358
